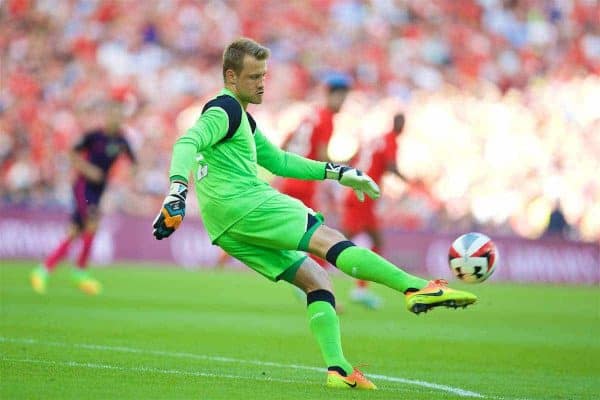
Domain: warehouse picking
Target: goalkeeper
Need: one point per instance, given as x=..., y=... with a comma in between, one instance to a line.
x=269, y=231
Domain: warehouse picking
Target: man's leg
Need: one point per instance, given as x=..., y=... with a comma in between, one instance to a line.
x=359, y=218
x=298, y=269
x=325, y=326
x=81, y=275
x=362, y=263
x=360, y=293
x=223, y=259
x=268, y=240
x=57, y=254
x=39, y=276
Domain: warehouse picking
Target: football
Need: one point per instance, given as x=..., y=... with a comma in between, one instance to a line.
x=473, y=257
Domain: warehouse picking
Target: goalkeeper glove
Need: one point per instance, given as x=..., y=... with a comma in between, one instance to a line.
x=172, y=211
x=359, y=182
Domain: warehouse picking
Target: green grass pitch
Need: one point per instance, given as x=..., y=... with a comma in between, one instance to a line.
x=167, y=333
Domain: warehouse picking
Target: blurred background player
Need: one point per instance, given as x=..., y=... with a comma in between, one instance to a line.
x=358, y=217
x=311, y=140
x=92, y=158
x=312, y=137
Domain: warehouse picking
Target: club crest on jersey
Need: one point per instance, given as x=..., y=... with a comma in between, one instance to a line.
x=202, y=171
x=202, y=167
x=112, y=149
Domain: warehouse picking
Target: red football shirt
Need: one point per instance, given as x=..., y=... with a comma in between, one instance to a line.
x=313, y=133
x=374, y=159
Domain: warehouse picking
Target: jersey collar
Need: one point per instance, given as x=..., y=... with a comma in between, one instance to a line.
x=228, y=92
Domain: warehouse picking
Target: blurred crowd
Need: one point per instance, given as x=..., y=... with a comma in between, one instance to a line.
x=501, y=97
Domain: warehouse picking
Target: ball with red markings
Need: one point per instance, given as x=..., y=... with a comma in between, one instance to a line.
x=473, y=257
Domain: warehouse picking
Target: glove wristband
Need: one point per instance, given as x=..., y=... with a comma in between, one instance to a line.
x=334, y=171
x=178, y=189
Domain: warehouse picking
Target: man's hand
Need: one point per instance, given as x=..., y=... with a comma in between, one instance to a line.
x=172, y=212
x=361, y=183
x=93, y=174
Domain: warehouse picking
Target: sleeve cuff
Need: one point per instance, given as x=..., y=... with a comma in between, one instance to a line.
x=178, y=178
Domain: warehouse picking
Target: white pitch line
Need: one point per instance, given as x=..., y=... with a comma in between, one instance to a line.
x=458, y=391
x=146, y=369
x=445, y=388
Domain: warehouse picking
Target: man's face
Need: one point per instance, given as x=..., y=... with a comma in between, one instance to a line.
x=336, y=99
x=398, y=124
x=250, y=83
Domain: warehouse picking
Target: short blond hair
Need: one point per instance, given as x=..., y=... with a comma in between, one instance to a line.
x=233, y=56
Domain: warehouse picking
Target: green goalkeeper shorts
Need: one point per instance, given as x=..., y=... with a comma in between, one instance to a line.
x=271, y=238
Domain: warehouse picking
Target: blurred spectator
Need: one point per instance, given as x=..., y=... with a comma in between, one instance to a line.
x=557, y=223
x=502, y=94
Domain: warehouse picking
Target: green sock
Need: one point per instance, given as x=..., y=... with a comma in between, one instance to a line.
x=364, y=264
x=325, y=326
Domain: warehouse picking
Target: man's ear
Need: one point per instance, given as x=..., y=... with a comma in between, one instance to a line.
x=230, y=76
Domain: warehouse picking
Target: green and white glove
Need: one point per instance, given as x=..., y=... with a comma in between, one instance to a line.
x=360, y=182
x=172, y=211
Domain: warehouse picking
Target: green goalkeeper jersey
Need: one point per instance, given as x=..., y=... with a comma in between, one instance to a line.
x=224, y=149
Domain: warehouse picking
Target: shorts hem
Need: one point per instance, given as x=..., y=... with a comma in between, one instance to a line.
x=290, y=273
x=303, y=245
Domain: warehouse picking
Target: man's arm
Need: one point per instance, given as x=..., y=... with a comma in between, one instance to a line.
x=393, y=168
x=133, y=170
x=294, y=166
x=129, y=152
x=210, y=128
x=90, y=171
x=286, y=164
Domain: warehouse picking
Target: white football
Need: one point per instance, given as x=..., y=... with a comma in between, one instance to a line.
x=473, y=257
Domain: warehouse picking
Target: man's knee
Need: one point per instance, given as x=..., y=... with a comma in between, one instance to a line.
x=324, y=239
x=311, y=277
x=91, y=226
x=91, y=223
